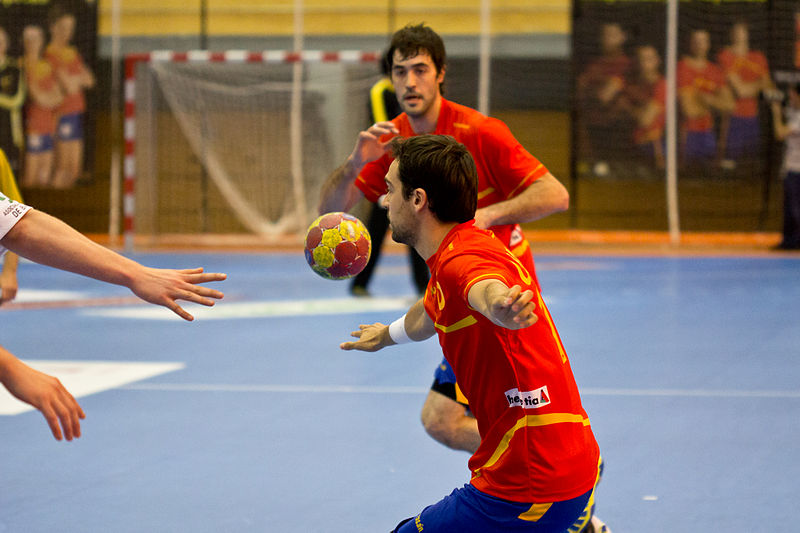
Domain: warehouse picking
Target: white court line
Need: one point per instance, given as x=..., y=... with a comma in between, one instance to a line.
x=707, y=393
x=358, y=389
x=82, y=378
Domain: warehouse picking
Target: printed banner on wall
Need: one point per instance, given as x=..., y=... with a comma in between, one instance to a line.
x=730, y=56
x=48, y=53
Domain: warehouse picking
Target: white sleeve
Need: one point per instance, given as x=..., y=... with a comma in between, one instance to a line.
x=10, y=213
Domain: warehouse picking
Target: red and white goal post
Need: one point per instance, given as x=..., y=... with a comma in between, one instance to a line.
x=236, y=143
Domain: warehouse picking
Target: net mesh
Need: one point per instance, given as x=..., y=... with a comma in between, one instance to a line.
x=226, y=147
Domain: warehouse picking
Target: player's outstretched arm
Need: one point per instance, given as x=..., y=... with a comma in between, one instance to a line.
x=49, y=241
x=540, y=199
x=415, y=325
x=43, y=392
x=508, y=307
x=339, y=192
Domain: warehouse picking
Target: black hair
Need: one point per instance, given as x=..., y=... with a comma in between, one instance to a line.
x=444, y=169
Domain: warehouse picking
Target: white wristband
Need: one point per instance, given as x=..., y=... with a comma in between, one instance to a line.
x=397, y=331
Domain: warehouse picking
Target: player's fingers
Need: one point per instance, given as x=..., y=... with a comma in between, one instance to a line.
x=206, y=292
x=385, y=126
x=523, y=299
x=357, y=334
x=196, y=294
x=197, y=270
x=178, y=310
x=52, y=421
x=204, y=277
x=76, y=411
x=68, y=421
x=526, y=316
x=511, y=295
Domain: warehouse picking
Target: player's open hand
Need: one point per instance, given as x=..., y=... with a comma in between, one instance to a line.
x=166, y=286
x=48, y=395
x=371, y=338
x=369, y=146
x=512, y=307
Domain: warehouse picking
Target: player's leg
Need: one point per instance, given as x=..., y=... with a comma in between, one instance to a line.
x=791, y=215
x=38, y=160
x=69, y=151
x=446, y=419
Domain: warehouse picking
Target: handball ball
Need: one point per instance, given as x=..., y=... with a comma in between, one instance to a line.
x=337, y=246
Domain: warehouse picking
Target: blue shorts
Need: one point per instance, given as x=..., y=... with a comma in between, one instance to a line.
x=70, y=127
x=700, y=145
x=468, y=510
x=444, y=382
x=36, y=143
x=744, y=136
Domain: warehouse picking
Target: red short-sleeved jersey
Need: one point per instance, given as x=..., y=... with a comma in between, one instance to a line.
x=750, y=68
x=69, y=60
x=536, y=441
x=40, y=120
x=505, y=168
x=708, y=79
x=643, y=93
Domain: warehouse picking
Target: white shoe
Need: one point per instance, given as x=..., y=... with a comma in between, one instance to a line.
x=598, y=526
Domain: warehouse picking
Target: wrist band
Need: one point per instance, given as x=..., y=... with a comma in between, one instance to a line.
x=397, y=331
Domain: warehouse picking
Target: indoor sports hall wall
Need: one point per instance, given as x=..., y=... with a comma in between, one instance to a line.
x=532, y=73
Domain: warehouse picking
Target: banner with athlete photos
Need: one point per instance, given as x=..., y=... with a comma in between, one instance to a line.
x=48, y=56
x=731, y=58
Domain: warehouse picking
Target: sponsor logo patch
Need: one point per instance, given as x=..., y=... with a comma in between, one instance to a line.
x=533, y=399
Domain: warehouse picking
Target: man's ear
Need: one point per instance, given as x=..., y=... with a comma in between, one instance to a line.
x=419, y=198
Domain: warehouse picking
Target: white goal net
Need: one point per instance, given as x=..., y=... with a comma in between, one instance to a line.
x=237, y=144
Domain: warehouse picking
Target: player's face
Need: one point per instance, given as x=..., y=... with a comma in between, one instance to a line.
x=700, y=44
x=416, y=83
x=63, y=29
x=740, y=34
x=612, y=37
x=32, y=40
x=648, y=59
x=398, y=209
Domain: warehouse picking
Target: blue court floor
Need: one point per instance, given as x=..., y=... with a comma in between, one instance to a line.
x=689, y=370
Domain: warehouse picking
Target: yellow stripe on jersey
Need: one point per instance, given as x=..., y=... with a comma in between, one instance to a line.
x=493, y=275
x=520, y=249
x=530, y=421
x=549, y=319
x=514, y=192
x=460, y=398
x=486, y=192
x=536, y=512
x=461, y=324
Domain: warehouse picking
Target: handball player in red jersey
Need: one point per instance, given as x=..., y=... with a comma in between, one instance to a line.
x=536, y=466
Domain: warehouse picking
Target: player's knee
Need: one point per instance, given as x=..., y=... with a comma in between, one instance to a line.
x=439, y=425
